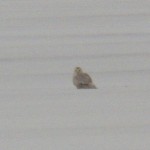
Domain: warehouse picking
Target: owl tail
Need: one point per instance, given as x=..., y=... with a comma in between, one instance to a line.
x=92, y=86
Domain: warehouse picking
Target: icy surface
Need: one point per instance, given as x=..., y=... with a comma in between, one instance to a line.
x=41, y=41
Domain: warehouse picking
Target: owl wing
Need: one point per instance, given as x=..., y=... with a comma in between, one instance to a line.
x=84, y=78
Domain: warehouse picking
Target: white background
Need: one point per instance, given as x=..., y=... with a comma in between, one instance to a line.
x=41, y=41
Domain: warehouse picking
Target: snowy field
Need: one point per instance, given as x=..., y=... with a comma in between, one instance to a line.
x=41, y=41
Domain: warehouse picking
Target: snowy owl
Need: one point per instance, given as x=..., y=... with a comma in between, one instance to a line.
x=82, y=80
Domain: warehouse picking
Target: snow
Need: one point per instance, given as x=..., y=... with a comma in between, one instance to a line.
x=40, y=44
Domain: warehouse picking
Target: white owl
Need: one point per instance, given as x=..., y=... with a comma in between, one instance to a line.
x=82, y=80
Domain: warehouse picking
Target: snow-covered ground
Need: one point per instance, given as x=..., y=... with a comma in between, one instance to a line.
x=41, y=41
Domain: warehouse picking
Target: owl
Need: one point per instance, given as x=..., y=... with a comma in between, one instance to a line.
x=82, y=80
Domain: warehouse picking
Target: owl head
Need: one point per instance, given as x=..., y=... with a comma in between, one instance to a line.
x=78, y=70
